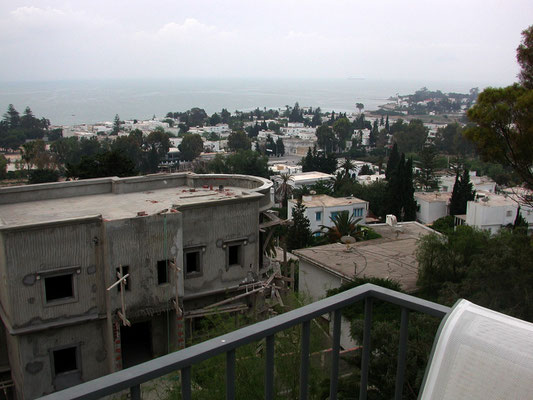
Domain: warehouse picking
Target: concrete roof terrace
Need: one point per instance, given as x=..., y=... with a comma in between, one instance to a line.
x=118, y=198
x=391, y=256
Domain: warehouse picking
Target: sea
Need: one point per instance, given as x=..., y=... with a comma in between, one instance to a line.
x=89, y=101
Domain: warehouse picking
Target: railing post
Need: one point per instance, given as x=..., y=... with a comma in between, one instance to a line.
x=304, y=360
x=186, y=383
x=135, y=392
x=402, y=352
x=269, y=368
x=365, y=360
x=336, y=346
x=230, y=375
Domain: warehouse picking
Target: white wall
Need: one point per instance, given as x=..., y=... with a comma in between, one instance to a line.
x=314, y=282
x=310, y=213
x=430, y=211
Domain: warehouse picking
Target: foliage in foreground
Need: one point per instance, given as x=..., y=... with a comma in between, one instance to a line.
x=208, y=377
x=385, y=339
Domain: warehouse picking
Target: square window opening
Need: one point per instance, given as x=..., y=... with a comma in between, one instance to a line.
x=59, y=287
x=65, y=360
x=125, y=271
x=234, y=254
x=192, y=262
x=162, y=271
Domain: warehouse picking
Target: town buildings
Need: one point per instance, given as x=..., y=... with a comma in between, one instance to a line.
x=321, y=209
x=181, y=241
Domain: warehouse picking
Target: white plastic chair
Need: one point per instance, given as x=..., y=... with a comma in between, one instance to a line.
x=480, y=354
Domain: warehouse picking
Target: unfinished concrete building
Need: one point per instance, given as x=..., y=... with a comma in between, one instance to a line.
x=181, y=241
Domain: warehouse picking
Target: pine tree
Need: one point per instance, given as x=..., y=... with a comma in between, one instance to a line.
x=387, y=127
x=299, y=234
x=392, y=163
x=116, y=125
x=426, y=177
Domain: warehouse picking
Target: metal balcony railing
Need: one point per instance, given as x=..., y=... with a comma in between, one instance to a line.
x=182, y=360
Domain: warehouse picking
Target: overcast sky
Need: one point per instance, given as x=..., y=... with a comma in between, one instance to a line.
x=426, y=39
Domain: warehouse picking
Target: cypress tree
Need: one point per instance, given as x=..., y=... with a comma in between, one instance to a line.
x=392, y=163
x=463, y=192
x=308, y=161
x=408, y=200
x=520, y=222
x=400, y=191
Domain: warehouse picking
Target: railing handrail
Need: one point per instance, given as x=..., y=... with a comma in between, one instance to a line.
x=158, y=367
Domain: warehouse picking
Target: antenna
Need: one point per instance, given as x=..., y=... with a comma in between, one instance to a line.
x=348, y=240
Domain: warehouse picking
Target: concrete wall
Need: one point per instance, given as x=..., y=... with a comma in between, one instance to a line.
x=36, y=358
x=35, y=252
x=116, y=185
x=44, y=191
x=140, y=243
x=213, y=227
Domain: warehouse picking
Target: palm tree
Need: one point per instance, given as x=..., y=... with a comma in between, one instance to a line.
x=284, y=189
x=344, y=224
x=347, y=166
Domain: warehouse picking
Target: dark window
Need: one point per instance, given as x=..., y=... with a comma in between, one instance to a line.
x=162, y=271
x=234, y=254
x=65, y=360
x=192, y=262
x=58, y=287
x=125, y=271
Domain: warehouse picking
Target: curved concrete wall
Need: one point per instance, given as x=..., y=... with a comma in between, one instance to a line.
x=46, y=191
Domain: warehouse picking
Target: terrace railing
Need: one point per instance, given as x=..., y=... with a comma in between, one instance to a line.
x=183, y=360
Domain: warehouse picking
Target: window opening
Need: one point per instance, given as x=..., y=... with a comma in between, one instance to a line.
x=162, y=271
x=192, y=262
x=58, y=287
x=234, y=254
x=65, y=360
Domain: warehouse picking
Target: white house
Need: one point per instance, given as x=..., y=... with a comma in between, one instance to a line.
x=480, y=183
x=320, y=209
x=367, y=179
x=285, y=169
x=491, y=211
x=391, y=257
x=309, y=178
x=431, y=206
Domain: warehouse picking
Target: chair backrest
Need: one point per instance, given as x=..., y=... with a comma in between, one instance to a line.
x=480, y=354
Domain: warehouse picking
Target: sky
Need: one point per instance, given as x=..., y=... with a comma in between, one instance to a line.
x=118, y=39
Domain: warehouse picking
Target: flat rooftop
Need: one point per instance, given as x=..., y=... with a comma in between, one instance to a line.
x=323, y=200
x=119, y=198
x=432, y=197
x=392, y=256
x=304, y=176
x=488, y=199
x=113, y=206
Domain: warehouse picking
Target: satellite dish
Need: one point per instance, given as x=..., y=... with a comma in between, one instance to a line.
x=347, y=239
